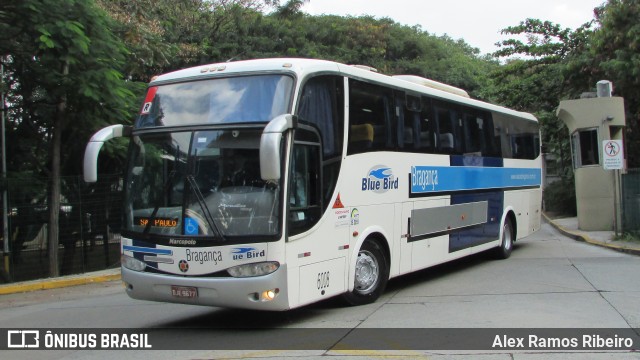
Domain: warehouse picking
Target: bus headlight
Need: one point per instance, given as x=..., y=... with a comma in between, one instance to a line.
x=253, y=269
x=132, y=263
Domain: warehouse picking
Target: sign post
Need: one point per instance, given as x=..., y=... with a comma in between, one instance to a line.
x=613, y=159
x=612, y=155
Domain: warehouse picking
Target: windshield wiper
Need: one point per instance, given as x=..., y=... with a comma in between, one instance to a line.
x=203, y=205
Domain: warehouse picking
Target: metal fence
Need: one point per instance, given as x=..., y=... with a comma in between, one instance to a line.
x=89, y=226
x=631, y=201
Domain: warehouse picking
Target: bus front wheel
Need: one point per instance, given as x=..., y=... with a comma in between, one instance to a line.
x=506, y=245
x=371, y=275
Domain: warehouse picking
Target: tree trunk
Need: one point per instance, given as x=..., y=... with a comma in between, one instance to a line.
x=54, y=191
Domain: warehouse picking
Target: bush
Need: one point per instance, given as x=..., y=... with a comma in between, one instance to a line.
x=560, y=197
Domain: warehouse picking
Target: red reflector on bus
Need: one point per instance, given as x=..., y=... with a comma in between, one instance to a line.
x=338, y=203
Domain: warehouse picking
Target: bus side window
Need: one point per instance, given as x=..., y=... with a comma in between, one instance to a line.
x=414, y=128
x=474, y=139
x=299, y=194
x=447, y=122
x=322, y=105
x=425, y=126
x=524, y=147
x=411, y=130
x=304, y=187
x=386, y=129
x=519, y=140
x=501, y=136
x=492, y=148
x=404, y=134
x=370, y=105
x=360, y=137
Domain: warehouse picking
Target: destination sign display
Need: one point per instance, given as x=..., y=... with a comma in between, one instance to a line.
x=157, y=222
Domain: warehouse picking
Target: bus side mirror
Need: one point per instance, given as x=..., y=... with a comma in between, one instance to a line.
x=91, y=152
x=270, y=145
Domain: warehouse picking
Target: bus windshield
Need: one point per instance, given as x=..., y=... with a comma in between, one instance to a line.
x=200, y=184
x=241, y=99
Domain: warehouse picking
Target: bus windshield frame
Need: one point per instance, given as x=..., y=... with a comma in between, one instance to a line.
x=193, y=170
x=217, y=101
x=200, y=184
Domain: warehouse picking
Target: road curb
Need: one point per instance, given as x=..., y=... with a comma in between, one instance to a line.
x=580, y=236
x=58, y=283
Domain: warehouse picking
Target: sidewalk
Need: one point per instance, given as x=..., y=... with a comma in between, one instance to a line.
x=569, y=227
x=63, y=281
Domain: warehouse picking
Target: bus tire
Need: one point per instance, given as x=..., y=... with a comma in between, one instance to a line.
x=506, y=245
x=371, y=275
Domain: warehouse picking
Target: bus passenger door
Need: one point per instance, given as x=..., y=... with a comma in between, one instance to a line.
x=317, y=244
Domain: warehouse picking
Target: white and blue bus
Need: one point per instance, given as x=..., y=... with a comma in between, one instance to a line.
x=275, y=183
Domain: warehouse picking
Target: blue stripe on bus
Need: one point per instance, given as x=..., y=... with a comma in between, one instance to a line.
x=146, y=250
x=434, y=179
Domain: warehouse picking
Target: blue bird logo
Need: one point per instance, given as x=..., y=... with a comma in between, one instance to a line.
x=380, y=173
x=242, y=250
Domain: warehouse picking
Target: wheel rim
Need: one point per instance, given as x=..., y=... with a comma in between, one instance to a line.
x=367, y=272
x=506, y=237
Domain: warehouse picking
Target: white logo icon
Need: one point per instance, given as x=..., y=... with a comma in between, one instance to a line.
x=22, y=339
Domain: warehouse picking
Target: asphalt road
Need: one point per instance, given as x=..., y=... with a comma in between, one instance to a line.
x=550, y=281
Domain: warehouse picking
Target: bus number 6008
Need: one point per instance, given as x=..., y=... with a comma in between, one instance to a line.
x=323, y=280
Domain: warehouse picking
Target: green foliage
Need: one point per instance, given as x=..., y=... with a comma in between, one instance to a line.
x=163, y=35
x=62, y=81
x=629, y=237
x=558, y=64
x=550, y=66
x=617, y=43
x=60, y=52
x=560, y=197
x=616, y=51
x=147, y=37
x=546, y=42
x=390, y=47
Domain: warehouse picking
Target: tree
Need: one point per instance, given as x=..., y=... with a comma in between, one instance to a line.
x=390, y=47
x=62, y=66
x=551, y=65
x=561, y=63
x=165, y=35
x=616, y=50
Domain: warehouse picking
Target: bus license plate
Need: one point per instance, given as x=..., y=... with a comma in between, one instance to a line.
x=184, y=291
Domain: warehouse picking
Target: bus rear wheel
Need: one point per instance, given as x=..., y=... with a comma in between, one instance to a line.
x=371, y=275
x=506, y=245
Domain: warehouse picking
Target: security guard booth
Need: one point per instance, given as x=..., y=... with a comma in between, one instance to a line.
x=591, y=120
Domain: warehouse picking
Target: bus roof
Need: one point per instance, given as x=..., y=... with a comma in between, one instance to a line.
x=304, y=67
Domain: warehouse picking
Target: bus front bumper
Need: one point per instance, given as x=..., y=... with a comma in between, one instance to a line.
x=245, y=293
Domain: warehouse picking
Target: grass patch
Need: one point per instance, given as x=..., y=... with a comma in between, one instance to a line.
x=630, y=237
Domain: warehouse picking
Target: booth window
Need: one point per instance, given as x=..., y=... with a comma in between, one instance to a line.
x=584, y=146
